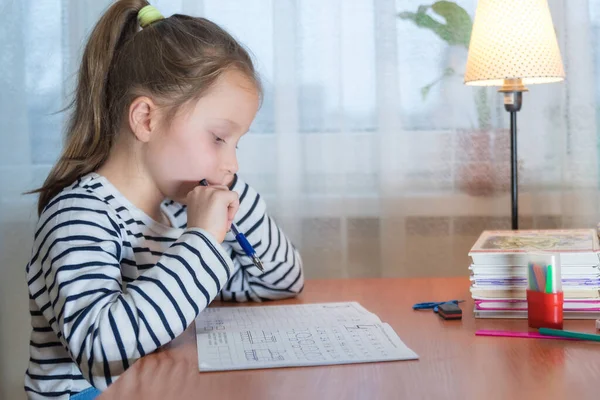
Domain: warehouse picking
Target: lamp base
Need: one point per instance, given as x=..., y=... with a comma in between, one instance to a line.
x=513, y=94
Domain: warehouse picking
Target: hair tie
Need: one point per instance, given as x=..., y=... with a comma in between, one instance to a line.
x=148, y=15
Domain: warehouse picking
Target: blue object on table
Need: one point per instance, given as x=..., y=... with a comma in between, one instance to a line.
x=87, y=394
x=434, y=305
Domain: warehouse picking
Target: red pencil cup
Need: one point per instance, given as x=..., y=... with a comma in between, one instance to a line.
x=545, y=310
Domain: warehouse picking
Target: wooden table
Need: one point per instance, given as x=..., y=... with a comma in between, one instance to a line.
x=454, y=363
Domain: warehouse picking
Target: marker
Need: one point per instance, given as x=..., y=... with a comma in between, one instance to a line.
x=570, y=334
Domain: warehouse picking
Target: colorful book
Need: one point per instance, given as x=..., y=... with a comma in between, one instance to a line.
x=506, y=270
x=522, y=314
x=577, y=247
x=520, y=293
x=521, y=305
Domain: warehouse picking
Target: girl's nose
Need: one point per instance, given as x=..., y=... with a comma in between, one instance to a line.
x=231, y=164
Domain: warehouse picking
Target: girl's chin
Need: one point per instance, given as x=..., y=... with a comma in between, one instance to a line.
x=182, y=192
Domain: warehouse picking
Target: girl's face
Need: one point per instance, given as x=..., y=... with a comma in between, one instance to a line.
x=201, y=140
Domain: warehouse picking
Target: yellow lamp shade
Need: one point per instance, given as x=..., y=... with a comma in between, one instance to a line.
x=513, y=39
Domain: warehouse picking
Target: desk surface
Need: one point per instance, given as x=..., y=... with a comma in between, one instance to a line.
x=454, y=363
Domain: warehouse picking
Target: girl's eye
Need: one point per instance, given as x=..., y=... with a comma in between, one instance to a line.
x=218, y=139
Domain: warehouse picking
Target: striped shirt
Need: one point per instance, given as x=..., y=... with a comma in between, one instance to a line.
x=107, y=284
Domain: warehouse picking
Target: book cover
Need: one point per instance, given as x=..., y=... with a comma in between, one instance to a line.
x=576, y=247
x=553, y=240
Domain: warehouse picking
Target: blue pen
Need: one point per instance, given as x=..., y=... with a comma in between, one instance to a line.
x=239, y=236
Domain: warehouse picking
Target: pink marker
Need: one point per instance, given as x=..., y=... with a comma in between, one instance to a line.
x=525, y=335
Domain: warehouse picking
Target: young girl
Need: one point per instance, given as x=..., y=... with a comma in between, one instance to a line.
x=129, y=249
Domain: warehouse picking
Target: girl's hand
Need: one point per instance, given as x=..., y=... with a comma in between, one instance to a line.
x=212, y=208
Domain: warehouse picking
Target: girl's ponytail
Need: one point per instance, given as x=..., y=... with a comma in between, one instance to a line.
x=89, y=136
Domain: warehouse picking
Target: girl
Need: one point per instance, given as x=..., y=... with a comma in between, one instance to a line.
x=129, y=249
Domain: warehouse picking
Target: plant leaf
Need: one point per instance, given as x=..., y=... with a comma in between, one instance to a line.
x=456, y=30
x=448, y=72
x=425, y=91
x=458, y=22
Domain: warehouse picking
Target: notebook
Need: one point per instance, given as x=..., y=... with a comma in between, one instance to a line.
x=577, y=247
x=516, y=314
x=233, y=338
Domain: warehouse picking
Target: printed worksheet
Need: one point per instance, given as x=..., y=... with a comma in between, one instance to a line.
x=232, y=338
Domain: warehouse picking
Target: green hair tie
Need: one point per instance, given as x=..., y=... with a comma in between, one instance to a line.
x=148, y=15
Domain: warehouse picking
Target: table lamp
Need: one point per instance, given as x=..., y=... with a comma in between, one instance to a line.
x=513, y=44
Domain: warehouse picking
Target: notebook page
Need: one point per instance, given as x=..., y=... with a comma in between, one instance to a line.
x=220, y=350
x=263, y=317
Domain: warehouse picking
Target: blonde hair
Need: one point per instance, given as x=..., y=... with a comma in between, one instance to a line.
x=173, y=60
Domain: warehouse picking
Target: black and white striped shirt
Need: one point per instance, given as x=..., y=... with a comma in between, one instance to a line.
x=107, y=284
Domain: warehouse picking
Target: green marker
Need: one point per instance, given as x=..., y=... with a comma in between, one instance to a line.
x=569, y=334
x=549, y=288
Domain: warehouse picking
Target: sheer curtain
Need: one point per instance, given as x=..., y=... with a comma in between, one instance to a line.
x=367, y=174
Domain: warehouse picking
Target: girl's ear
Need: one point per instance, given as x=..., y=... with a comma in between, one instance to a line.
x=143, y=118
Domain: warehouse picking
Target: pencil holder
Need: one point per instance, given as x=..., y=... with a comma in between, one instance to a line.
x=545, y=298
x=545, y=310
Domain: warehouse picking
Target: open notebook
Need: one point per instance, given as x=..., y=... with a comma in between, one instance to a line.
x=232, y=338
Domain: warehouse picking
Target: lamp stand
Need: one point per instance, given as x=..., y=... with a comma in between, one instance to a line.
x=513, y=99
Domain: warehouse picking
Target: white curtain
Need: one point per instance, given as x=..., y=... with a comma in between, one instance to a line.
x=368, y=176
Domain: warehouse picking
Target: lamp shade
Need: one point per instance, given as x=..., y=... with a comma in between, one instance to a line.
x=513, y=39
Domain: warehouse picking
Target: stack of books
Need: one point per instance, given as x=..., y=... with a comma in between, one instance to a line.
x=499, y=271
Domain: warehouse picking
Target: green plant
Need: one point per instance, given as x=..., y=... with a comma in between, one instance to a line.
x=456, y=31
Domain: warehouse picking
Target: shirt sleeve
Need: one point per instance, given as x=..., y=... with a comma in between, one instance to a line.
x=106, y=324
x=283, y=276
